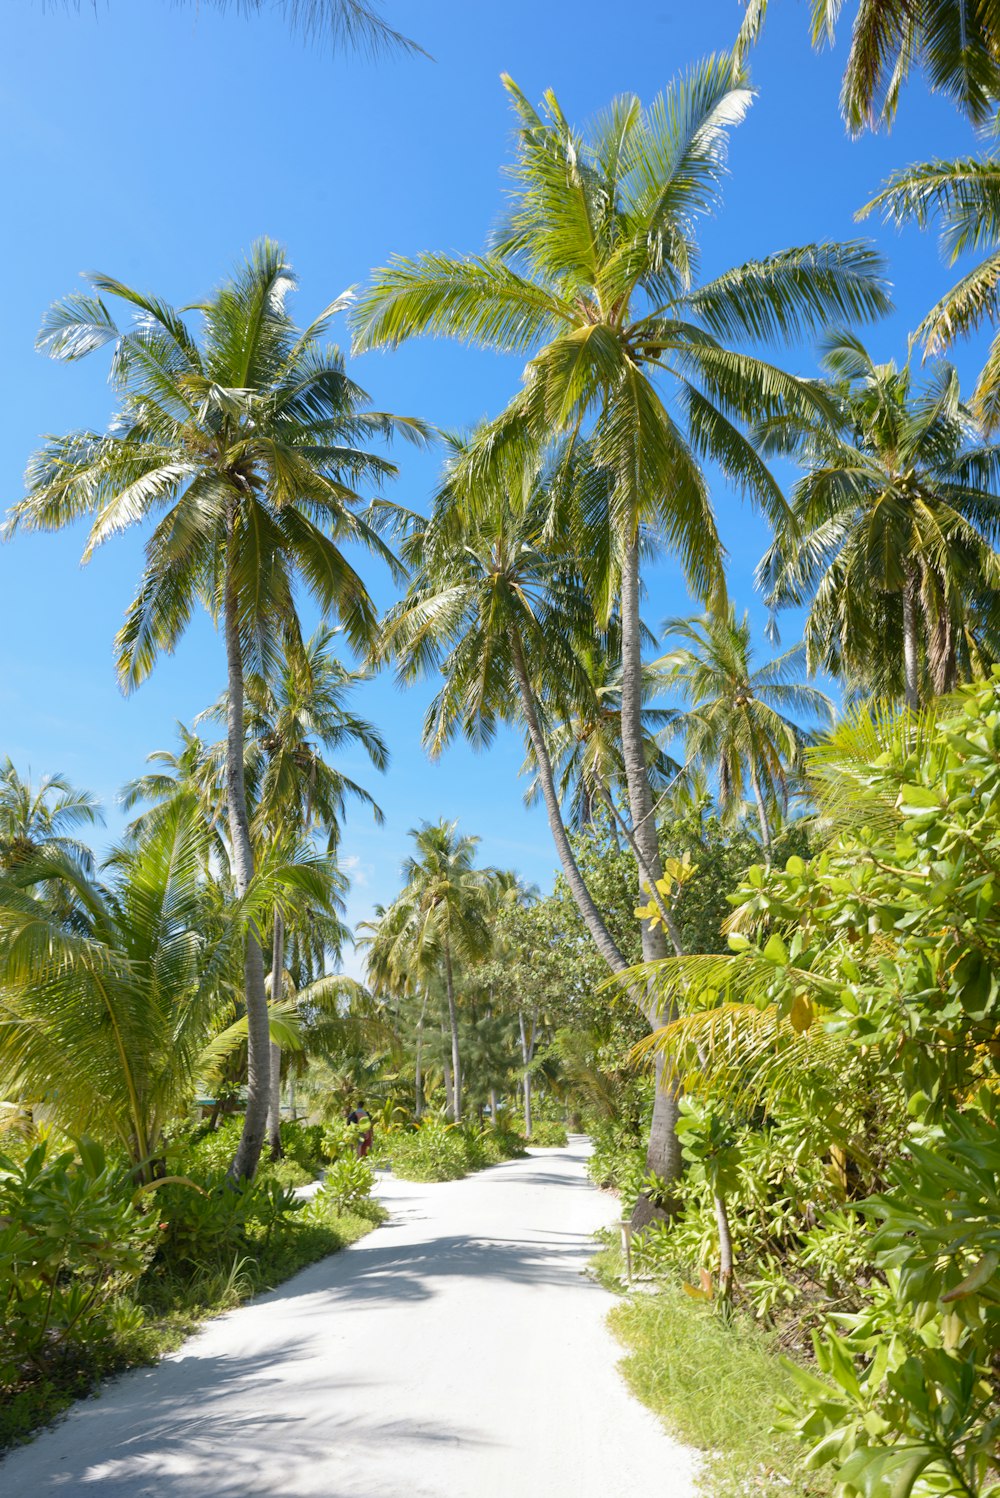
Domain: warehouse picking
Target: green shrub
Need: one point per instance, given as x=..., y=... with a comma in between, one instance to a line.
x=71, y=1245
x=349, y=1183
x=208, y=1221
x=546, y=1133
x=286, y=1172
x=494, y=1145
x=304, y=1143
x=433, y=1152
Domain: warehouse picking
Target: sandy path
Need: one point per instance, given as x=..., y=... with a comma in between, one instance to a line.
x=457, y=1352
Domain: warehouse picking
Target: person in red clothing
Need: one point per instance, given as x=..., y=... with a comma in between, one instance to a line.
x=362, y=1118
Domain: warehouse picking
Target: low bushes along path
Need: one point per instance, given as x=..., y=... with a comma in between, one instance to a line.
x=457, y=1352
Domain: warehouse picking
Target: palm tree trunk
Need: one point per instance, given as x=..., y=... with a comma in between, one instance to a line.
x=765, y=825
x=592, y=917
x=725, y=1248
x=277, y=973
x=418, y=1070
x=910, y=664
x=666, y=914
x=663, y=1157
x=456, y=1060
x=527, y=1054
x=244, y=1162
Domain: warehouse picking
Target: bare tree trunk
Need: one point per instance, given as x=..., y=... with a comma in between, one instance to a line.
x=418, y=1079
x=911, y=669
x=493, y=1106
x=725, y=1248
x=277, y=975
x=456, y=1060
x=244, y=1162
x=592, y=917
x=765, y=826
x=663, y=1157
x=527, y=1056
x=449, y=1091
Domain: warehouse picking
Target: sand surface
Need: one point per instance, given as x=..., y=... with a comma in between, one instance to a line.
x=459, y=1351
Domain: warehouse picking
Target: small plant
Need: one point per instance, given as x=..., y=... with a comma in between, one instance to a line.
x=349, y=1183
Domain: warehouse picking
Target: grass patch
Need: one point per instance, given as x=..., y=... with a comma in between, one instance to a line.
x=174, y=1307
x=714, y=1381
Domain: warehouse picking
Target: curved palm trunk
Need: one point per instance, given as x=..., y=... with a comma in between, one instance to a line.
x=418, y=1070
x=911, y=670
x=456, y=1060
x=244, y=1162
x=765, y=825
x=277, y=974
x=666, y=914
x=603, y=940
x=663, y=1156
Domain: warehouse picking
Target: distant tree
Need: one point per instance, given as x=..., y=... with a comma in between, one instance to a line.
x=35, y=818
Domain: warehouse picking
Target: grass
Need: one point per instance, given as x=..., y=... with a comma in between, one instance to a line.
x=174, y=1307
x=715, y=1382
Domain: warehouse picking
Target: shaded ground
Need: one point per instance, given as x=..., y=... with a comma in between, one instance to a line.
x=457, y=1352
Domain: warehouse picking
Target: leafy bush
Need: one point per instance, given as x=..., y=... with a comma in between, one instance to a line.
x=209, y=1220
x=904, y=1397
x=495, y=1145
x=547, y=1133
x=71, y=1245
x=304, y=1143
x=433, y=1152
x=349, y=1183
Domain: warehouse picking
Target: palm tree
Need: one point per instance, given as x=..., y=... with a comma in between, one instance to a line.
x=34, y=818
x=955, y=45
x=194, y=771
x=892, y=530
x=737, y=719
x=493, y=605
x=105, y=1018
x=965, y=195
x=291, y=724
x=247, y=446
x=585, y=744
x=445, y=903
x=593, y=275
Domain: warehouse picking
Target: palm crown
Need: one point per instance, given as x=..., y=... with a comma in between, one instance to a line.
x=738, y=717
x=893, y=528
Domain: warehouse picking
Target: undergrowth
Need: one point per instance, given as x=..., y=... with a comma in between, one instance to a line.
x=714, y=1379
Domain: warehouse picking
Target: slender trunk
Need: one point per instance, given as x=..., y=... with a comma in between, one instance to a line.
x=418, y=1070
x=277, y=972
x=765, y=825
x=592, y=917
x=291, y=1096
x=449, y=1091
x=493, y=1106
x=244, y=1162
x=666, y=914
x=527, y=1055
x=725, y=1248
x=910, y=663
x=456, y=1060
x=663, y=1157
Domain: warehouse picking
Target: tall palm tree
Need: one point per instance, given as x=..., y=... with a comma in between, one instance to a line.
x=494, y=607
x=956, y=45
x=892, y=530
x=41, y=817
x=445, y=902
x=737, y=719
x=594, y=276
x=965, y=195
x=248, y=446
x=292, y=723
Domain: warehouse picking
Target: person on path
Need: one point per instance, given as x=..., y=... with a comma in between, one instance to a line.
x=362, y=1119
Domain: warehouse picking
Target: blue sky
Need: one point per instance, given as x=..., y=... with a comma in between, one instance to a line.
x=155, y=142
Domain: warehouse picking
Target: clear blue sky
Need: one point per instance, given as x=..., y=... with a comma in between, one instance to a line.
x=155, y=143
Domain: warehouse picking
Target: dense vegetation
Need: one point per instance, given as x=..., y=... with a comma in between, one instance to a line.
x=767, y=979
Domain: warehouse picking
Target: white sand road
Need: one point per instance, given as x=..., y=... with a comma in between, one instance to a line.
x=459, y=1351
